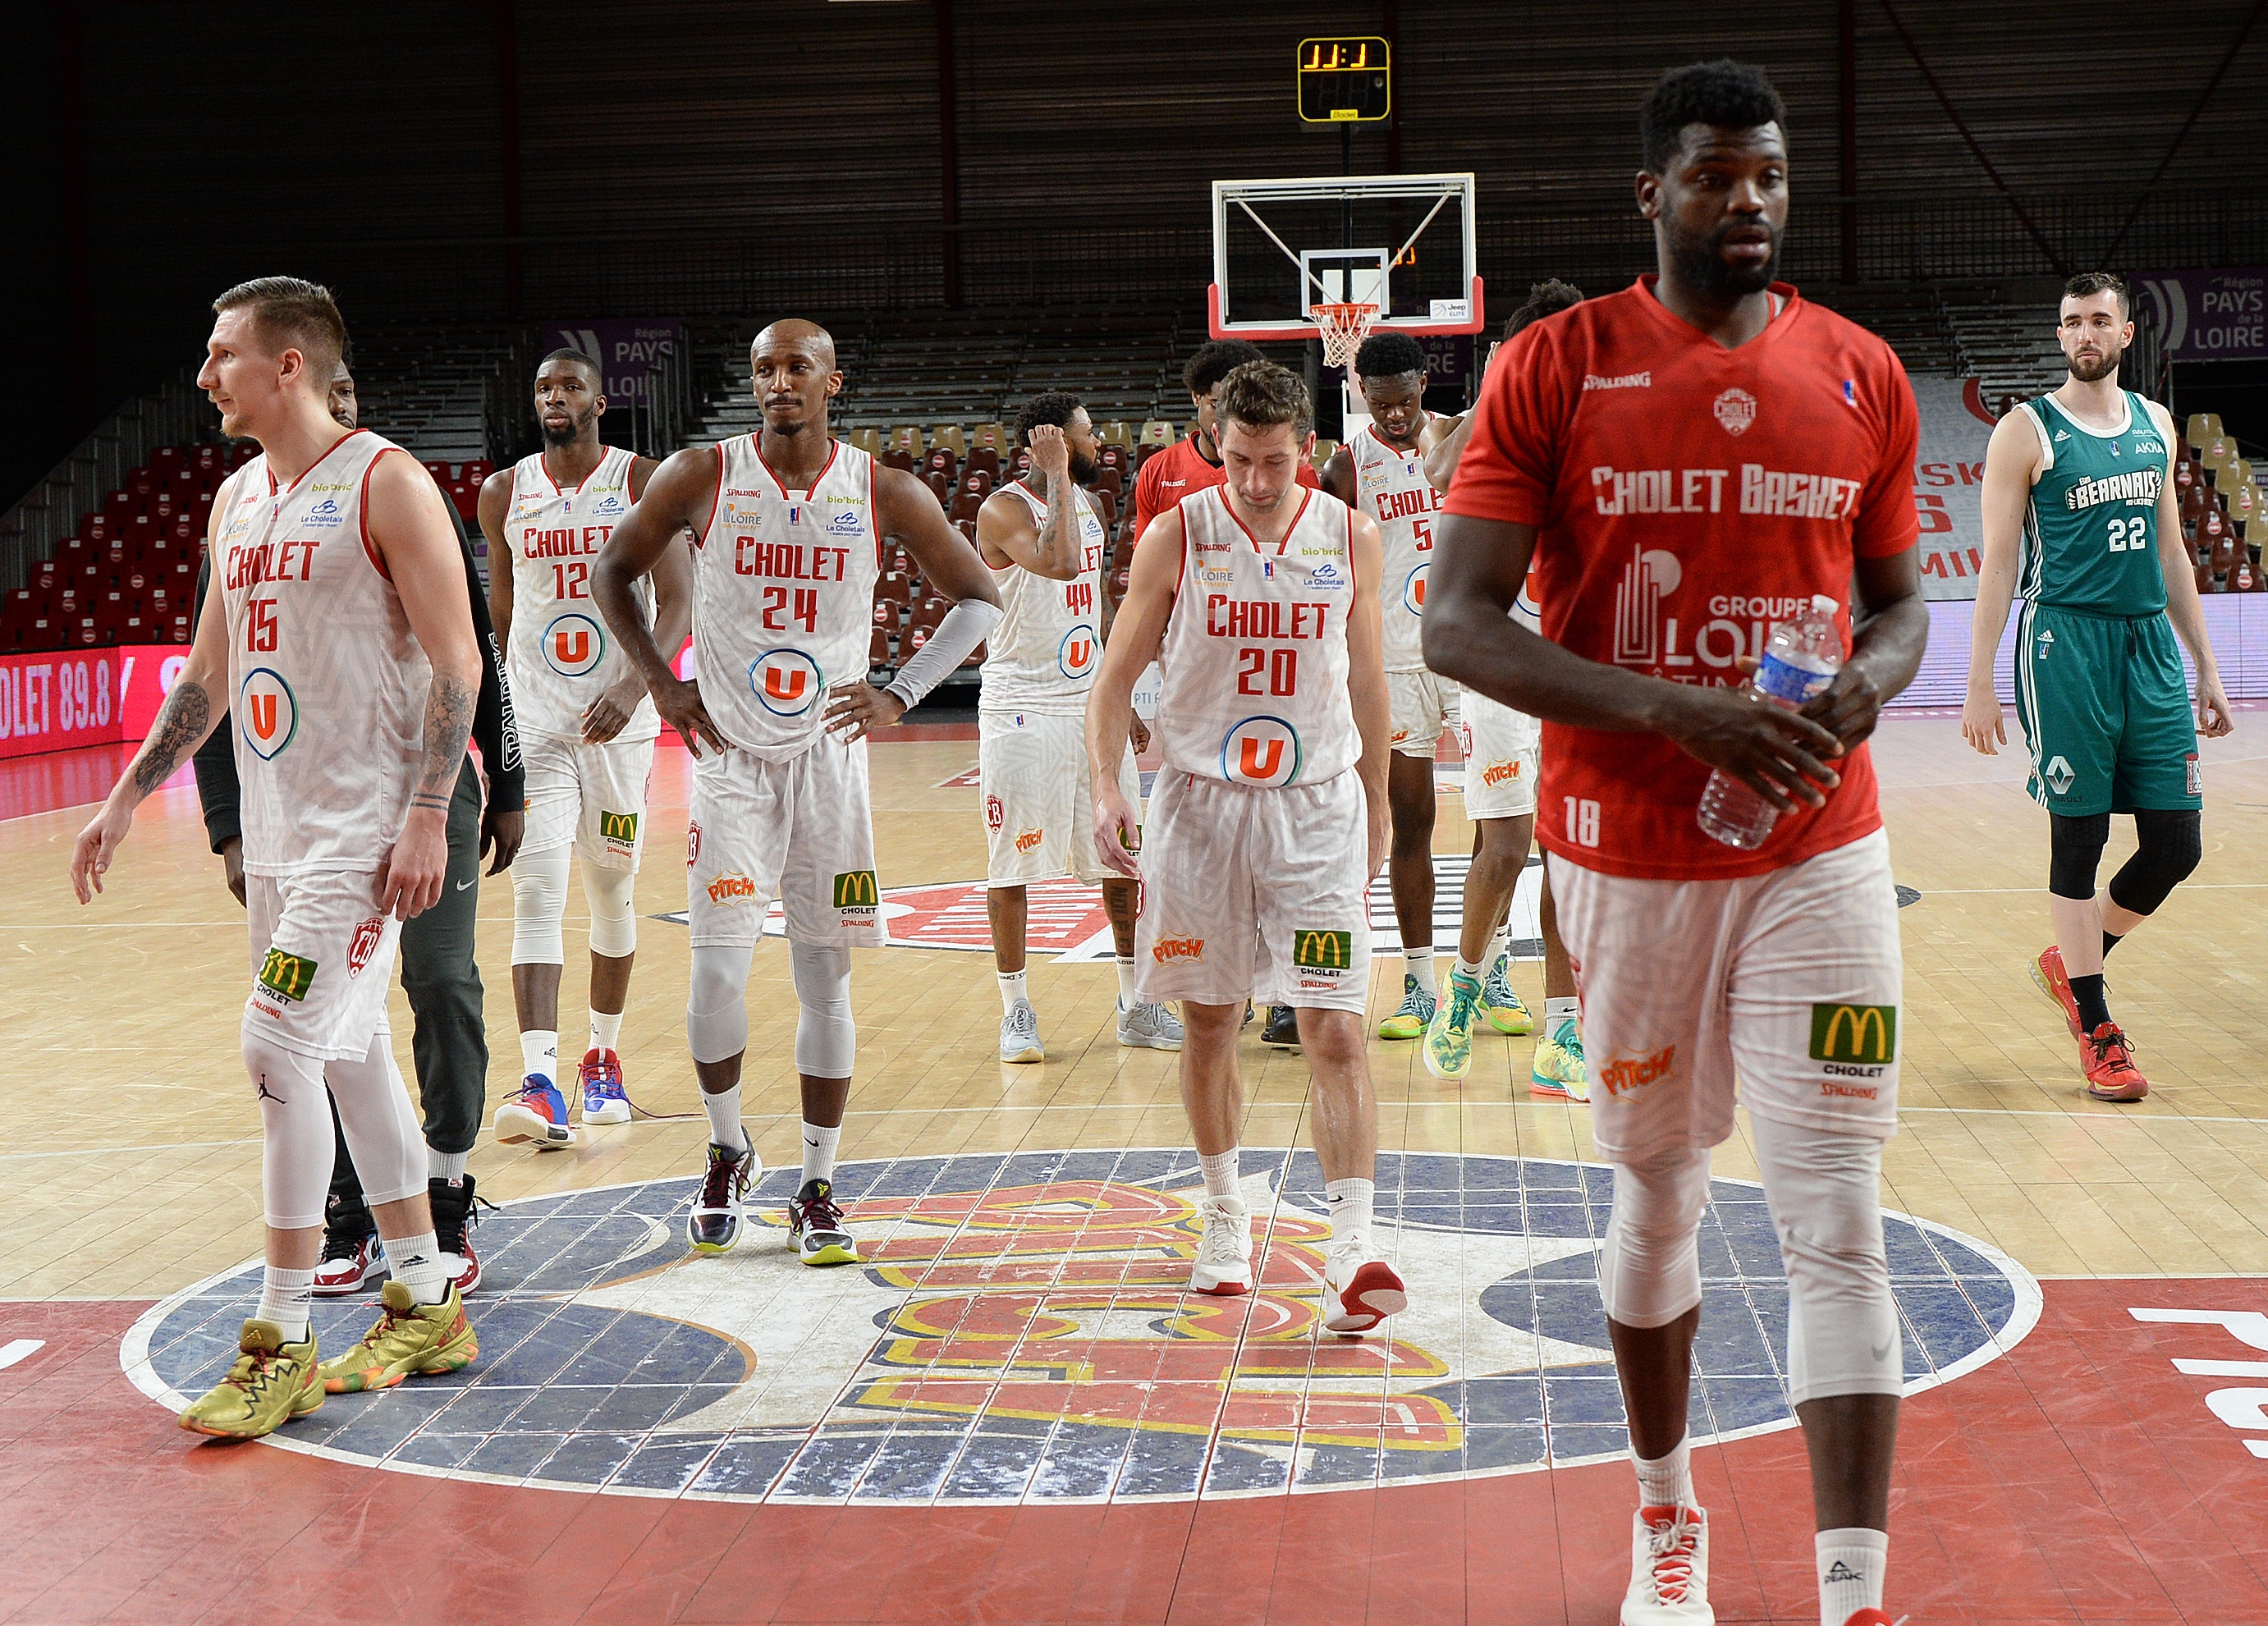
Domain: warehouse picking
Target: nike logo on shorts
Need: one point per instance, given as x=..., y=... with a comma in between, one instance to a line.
x=462, y=884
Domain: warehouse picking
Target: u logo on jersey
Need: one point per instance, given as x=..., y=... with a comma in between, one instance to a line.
x=1076, y=654
x=267, y=713
x=573, y=645
x=1413, y=591
x=1261, y=751
x=786, y=682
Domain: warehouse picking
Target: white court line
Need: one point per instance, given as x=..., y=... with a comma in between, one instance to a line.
x=16, y=1350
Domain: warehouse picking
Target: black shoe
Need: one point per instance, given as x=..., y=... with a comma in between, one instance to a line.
x=352, y=1258
x=815, y=1226
x=1282, y=1028
x=454, y=1215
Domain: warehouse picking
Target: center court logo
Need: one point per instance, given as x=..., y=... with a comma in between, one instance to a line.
x=1023, y=1330
x=1261, y=751
x=786, y=682
x=574, y=643
x=267, y=713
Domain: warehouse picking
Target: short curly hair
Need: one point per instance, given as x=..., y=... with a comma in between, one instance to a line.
x=2101, y=282
x=1215, y=360
x=1389, y=355
x=1048, y=406
x=1260, y=395
x=1547, y=298
x=1727, y=94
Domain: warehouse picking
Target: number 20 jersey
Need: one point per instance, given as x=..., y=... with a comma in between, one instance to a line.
x=1255, y=658
x=561, y=657
x=783, y=595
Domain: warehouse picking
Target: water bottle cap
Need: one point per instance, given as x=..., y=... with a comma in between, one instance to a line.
x=1824, y=605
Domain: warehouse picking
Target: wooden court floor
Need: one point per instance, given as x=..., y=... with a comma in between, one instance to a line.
x=1011, y=1414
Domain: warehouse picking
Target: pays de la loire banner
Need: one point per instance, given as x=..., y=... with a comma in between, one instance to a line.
x=1950, y=482
x=626, y=349
x=2209, y=315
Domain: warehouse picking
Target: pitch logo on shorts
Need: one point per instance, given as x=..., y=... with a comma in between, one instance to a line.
x=733, y=890
x=268, y=713
x=1075, y=655
x=857, y=898
x=1626, y=1074
x=1167, y=950
x=573, y=645
x=786, y=682
x=287, y=975
x=1854, y=1040
x=1026, y=840
x=367, y=937
x=1497, y=773
x=1261, y=751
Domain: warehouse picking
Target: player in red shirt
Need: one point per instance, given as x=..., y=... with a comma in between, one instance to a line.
x=1193, y=463
x=1688, y=462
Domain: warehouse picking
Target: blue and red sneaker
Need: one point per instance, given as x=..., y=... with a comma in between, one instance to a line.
x=535, y=1111
x=600, y=1076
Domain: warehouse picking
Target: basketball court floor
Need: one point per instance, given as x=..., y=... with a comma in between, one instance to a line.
x=1013, y=1413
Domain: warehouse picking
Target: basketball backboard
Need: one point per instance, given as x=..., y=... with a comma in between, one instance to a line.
x=1404, y=243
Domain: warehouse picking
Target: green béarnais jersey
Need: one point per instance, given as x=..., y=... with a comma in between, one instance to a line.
x=2091, y=529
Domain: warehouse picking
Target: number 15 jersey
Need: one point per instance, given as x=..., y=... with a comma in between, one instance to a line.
x=560, y=657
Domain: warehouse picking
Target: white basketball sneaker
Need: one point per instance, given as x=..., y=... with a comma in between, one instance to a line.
x=1669, y=1569
x=1020, y=1034
x=1360, y=1290
x=1224, y=1263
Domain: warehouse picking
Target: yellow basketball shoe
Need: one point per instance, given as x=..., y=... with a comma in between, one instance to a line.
x=271, y=1383
x=410, y=1339
x=1558, y=1072
x=1416, y=1011
x=1448, y=1049
x=1506, y=1012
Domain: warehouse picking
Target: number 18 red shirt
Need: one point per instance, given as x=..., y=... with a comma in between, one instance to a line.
x=1686, y=497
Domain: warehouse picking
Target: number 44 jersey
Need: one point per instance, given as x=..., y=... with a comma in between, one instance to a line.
x=561, y=656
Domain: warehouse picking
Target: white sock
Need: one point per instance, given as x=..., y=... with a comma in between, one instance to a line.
x=1668, y=1481
x=538, y=1053
x=1499, y=942
x=1476, y=970
x=1557, y=1011
x=1012, y=989
x=1350, y=1202
x=1418, y=962
x=449, y=1166
x=1851, y=1565
x=819, y=1146
x=1220, y=1176
x=284, y=1296
x=724, y=1110
x=415, y=1262
x=606, y=1029
x=1126, y=999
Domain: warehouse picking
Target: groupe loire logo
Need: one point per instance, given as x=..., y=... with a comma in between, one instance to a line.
x=573, y=645
x=786, y=682
x=1735, y=409
x=1022, y=1331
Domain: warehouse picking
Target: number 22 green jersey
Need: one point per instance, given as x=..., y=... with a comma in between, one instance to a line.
x=2091, y=529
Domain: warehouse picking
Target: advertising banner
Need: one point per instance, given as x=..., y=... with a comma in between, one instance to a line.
x=2209, y=315
x=1948, y=482
x=625, y=348
x=60, y=699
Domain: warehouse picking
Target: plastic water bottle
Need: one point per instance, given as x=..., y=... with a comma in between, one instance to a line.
x=1801, y=659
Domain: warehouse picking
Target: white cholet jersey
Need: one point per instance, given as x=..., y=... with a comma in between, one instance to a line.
x=783, y=595
x=560, y=656
x=1390, y=486
x=1043, y=655
x=1255, y=658
x=327, y=686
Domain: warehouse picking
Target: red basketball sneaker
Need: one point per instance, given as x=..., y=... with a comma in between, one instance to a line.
x=2055, y=983
x=2108, y=1060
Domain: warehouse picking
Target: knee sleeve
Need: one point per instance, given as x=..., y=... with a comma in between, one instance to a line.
x=2074, y=852
x=1825, y=1194
x=612, y=895
x=2171, y=842
x=295, y=1120
x=716, y=1009
x=1650, y=1266
x=826, y=1038
x=538, y=899
x=380, y=1124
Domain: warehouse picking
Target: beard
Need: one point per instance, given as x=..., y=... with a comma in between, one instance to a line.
x=1085, y=471
x=571, y=433
x=1701, y=262
x=2102, y=367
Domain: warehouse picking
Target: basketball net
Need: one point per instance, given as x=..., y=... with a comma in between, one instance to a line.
x=1342, y=328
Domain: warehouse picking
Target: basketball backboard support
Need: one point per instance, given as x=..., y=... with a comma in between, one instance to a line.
x=1404, y=243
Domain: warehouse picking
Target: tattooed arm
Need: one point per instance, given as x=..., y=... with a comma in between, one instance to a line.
x=410, y=529
x=181, y=725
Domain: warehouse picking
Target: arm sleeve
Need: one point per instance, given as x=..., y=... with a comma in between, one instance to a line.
x=1510, y=466
x=219, y=791
x=494, y=730
x=1886, y=523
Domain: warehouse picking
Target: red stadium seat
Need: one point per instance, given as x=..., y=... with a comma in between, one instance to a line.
x=898, y=459
x=941, y=486
x=985, y=459
x=442, y=474
x=965, y=507
x=878, y=649
x=477, y=471
x=1107, y=501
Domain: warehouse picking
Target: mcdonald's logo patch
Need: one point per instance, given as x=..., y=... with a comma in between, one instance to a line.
x=622, y=828
x=364, y=945
x=855, y=890
x=1858, y=1034
x=287, y=976
x=1322, y=950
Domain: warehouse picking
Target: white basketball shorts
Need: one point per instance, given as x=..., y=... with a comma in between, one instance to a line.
x=798, y=830
x=1255, y=893
x=593, y=795
x=322, y=959
x=1419, y=705
x=1039, y=812
x=1789, y=980
x=1502, y=749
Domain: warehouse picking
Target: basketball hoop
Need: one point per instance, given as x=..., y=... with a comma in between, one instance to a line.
x=1342, y=328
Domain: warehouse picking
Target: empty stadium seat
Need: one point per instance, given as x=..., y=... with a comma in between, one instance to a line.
x=949, y=434
x=896, y=457
x=1158, y=432
x=984, y=460
x=878, y=649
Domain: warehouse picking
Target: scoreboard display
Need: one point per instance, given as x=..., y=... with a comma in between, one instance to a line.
x=1345, y=81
